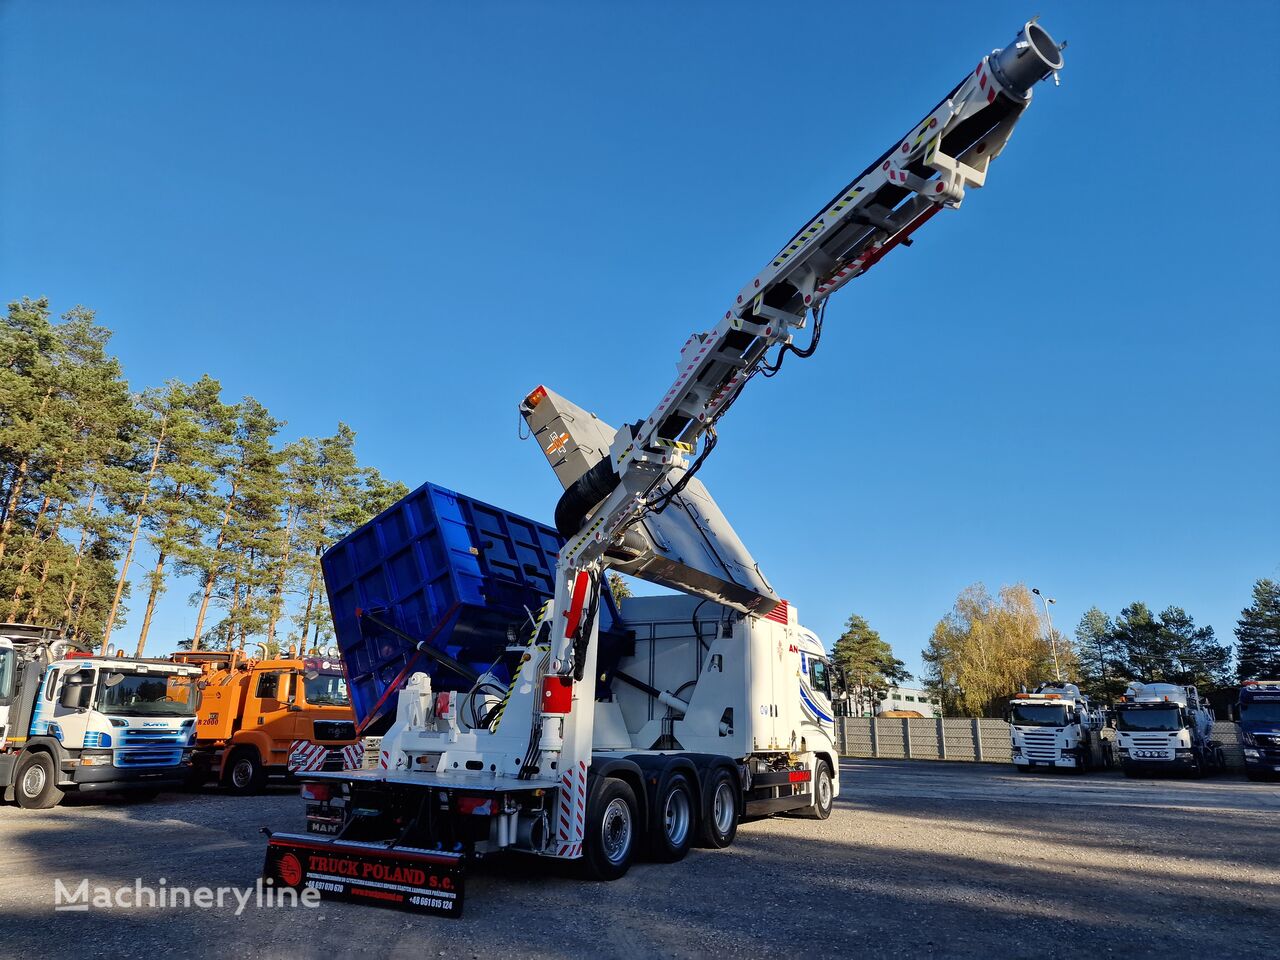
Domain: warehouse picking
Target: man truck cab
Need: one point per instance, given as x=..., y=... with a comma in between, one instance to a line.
x=1258, y=715
x=260, y=718
x=71, y=721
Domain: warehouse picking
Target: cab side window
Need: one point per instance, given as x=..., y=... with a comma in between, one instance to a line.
x=269, y=686
x=50, y=683
x=819, y=678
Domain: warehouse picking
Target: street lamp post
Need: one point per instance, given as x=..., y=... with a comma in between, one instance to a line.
x=1053, y=640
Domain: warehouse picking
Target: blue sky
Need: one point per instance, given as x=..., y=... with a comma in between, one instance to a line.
x=406, y=216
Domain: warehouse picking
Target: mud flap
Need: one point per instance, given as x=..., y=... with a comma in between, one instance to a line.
x=406, y=878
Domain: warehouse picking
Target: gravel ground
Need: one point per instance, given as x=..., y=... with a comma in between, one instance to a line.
x=919, y=860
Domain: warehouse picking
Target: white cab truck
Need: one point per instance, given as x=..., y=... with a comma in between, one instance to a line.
x=1165, y=728
x=74, y=722
x=1056, y=727
x=560, y=748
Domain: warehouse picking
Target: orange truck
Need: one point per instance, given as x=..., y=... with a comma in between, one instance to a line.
x=263, y=718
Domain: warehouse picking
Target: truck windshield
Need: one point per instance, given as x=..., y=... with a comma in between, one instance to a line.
x=326, y=690
x=153, y=695
x=1249, y=712
x=1040, y=714
x=1147, y=718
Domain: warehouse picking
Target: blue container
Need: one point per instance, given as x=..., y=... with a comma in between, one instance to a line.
x=442, y=566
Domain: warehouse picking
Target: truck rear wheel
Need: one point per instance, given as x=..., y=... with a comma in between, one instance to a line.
x=721, y=809
x=674, y=820
x=612, y=830
x=36, y=785
x=244, y=773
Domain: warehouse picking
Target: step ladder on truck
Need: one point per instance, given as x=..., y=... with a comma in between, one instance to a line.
x=542, y=733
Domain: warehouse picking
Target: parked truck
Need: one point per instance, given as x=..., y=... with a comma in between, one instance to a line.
x=1164, y=727
x=1056, y=726
x=1257, y=713
x=540, y=723
x=70, y=721
x=274, y=717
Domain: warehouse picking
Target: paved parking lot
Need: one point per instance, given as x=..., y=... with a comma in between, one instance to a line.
x=919, y=860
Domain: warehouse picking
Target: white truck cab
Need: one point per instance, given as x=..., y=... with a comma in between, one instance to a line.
x=1056, y=726
x=1164, y=727
x=70, y=721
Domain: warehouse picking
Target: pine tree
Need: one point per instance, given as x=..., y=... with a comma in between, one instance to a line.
x=182, y=505
x=868, y=663
x=1258, y=634
x=1102, y=670
x=1169, y=648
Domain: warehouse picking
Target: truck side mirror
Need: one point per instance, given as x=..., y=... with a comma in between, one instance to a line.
x=75, y=696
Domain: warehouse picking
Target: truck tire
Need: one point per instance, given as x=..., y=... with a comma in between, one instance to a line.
x=613, y=830
x=721, y=809
x=674, y=820
x=824, y=793
x=244, y=773
x=35, y=785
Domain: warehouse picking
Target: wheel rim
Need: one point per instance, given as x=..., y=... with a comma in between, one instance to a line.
x=33, y=781
x=242, y=773
x=676, y=817
x=723, y=807
x=824, y=788
x=615, y=831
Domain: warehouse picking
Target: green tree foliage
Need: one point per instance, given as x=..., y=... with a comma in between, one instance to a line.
x=868, y=663
x=106, y=494
x=618, y=587
x=1258, y=635
x=1102, y=674
x=988, y=648
x=1167, y=648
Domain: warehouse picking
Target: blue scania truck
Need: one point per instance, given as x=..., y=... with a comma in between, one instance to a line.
x=1258, y=715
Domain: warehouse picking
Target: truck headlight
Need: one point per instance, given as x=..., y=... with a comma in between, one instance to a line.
x=1182, y=752
x=1251, y=754
x=95, y=759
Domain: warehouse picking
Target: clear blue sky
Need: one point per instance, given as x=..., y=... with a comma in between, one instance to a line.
x=405, y=216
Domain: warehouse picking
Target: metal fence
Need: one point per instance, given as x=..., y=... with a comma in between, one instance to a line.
x=957, y=738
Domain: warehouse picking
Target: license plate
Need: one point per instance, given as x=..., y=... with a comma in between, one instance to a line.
x=424, y=881
x=1149, y=754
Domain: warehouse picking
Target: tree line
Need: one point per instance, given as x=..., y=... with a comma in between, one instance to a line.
x=92, y=470
x=988, y=648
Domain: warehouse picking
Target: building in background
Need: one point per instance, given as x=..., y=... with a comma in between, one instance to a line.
x=909, y=698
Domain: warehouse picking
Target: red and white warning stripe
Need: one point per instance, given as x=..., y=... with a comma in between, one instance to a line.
x=353, y=756
x=571, y=812
x=305, y=756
